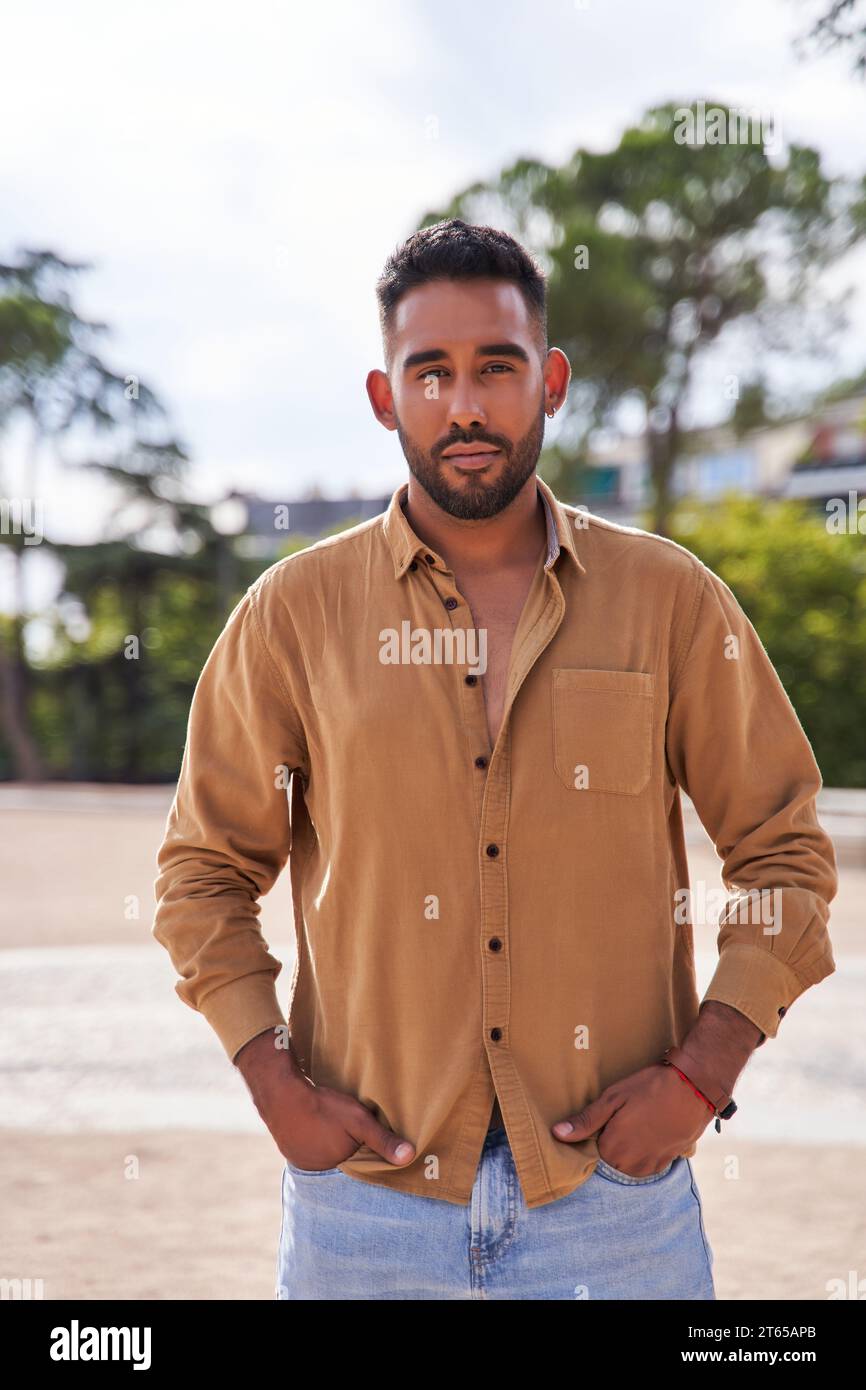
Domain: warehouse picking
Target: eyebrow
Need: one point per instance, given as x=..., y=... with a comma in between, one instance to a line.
x=418, y=359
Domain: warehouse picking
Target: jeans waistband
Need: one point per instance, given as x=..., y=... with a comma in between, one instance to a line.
x=496, y=1137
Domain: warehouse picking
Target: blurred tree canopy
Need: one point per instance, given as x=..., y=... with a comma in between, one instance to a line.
x=653, y=249
x=104, y=704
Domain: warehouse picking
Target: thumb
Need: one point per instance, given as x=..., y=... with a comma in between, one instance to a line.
x=586, y=1121
x=385, y=1142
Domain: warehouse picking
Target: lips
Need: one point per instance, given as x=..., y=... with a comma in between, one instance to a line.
x=470, y=457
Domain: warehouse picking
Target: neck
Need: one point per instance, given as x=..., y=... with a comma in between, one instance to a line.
x=512, y=537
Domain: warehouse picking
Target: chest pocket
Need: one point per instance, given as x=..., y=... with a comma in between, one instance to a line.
x=602, y=729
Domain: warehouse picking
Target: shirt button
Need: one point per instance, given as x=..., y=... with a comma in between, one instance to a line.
x=495, y=944
x=782, y=1012
x=470, y=680
x=481, y=762
x=496, y=1034
x=493, y=850
x=431, y=559
x=450, y=603
x=414, y=565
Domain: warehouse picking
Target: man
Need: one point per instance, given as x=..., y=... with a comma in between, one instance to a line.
x=484, y=704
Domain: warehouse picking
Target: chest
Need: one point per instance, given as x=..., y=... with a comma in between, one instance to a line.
x=496, y=604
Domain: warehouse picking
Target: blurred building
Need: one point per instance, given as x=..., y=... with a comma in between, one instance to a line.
x=262, y=526
x=815, y=457
x=833, y=463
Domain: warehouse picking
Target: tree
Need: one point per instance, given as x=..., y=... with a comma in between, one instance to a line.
x=51, y=374
x=657, y=248
x=843, y=24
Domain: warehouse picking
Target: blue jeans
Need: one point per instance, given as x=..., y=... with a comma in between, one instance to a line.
x=615, y=1236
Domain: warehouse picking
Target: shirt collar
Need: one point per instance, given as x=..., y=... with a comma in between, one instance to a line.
x=406, y=546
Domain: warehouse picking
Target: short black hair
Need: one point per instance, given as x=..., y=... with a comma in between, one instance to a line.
x=457, y=250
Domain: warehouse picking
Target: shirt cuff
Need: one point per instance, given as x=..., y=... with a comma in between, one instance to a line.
x=243, y=1008
x=756, y=984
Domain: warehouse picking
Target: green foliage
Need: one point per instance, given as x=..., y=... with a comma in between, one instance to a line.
x=85, y=710
x=109, y=708
x=804, y=589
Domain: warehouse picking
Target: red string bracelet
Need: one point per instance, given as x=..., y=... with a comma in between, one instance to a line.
x=694, y=1088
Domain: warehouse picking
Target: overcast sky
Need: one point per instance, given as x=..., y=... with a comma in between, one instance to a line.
x=238, y=174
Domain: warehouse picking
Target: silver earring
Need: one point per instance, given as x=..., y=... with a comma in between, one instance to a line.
x=551, y=413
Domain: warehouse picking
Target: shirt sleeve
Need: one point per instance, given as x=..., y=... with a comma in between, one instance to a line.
x=736, y=747
x=228, y=833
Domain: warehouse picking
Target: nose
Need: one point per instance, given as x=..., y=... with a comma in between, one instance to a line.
x=465, y=414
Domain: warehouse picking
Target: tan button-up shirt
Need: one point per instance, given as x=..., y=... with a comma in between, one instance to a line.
x=470, y=920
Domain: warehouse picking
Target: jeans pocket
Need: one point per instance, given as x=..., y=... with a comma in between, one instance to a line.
x=311, y=1172
x=607, y=1170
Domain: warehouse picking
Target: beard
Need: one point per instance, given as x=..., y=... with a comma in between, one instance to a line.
x=476, y=497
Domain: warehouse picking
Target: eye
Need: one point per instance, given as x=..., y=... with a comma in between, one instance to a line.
x=496, y=367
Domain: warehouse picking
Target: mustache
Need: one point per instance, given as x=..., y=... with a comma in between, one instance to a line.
x=472, y=439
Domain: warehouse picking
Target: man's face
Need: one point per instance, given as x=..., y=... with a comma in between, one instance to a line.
x=466, y=371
